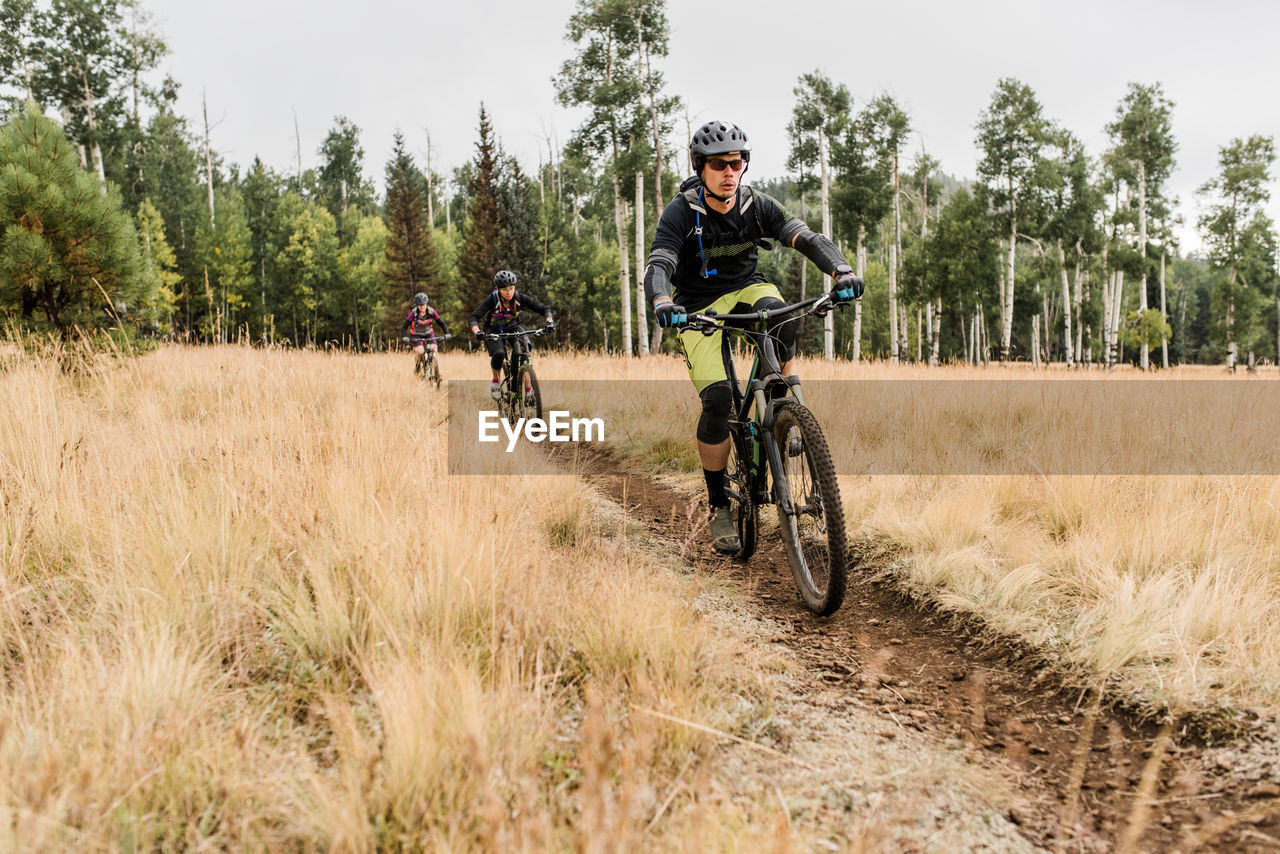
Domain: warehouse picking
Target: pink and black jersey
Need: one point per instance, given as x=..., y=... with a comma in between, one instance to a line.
x=420, y=325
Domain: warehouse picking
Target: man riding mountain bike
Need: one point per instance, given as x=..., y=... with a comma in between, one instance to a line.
x=500, y=312
x=704, y=257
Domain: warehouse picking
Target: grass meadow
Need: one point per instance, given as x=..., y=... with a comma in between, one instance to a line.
x=244, y=607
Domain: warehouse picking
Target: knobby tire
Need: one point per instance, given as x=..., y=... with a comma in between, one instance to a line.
x=814, y=537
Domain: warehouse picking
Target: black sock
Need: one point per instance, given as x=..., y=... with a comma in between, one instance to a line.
x=715, y=488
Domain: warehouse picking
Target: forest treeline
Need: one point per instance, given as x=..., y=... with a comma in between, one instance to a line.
x=116, y=210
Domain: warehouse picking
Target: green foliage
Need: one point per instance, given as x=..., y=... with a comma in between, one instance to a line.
x=482, y=255
x=356, y=304
x=225, y=252
x=69, y=253
x=304, y=267
x=1145, y=327
x=159, y=264
x=340, y=179
x=410, y=251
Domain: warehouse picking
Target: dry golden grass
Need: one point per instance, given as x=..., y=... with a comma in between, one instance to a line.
x=243, y=606
x=1165, y=587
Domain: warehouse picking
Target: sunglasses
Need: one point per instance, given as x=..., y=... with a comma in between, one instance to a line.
x=719, y=164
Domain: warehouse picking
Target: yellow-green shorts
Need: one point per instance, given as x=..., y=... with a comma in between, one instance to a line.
x=702, y=353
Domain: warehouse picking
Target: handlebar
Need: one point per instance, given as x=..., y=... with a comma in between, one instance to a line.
x=710, y=321
x=408, y=338
x=496, y=336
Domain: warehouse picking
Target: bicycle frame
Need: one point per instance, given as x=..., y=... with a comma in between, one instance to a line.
x=764, y=375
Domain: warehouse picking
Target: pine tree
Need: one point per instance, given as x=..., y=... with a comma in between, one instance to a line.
x=68, y=251
x=481, y=247
x=411, y=257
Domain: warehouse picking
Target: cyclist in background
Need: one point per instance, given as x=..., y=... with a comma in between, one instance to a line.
x=704, y=257
x=418, y=330
x=500, y=312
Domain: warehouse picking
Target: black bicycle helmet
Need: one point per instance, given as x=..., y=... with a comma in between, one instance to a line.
x=717, y=138
x=420, y=298
x=505, y=279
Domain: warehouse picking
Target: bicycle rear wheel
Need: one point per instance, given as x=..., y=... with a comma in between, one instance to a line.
x=738, y=484
x=813, y=532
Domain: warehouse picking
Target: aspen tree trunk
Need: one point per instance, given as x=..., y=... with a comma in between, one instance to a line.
x=431, y=210
x=904, y=346
x=966, y=337
x=1006, y=308
x=1233, y=351
x=95, y=150
x=1035, y=338
x=1067, y=331
x=804, y=262
x=620, y=224
x=1078, y=300
x=1164, y=315
x=860, y=260
x=297, y=136
x=1046, y=323
x=642, y=323
x=895, y=343
x=920, y=334
x=1117, y=294
x=935, y=356
x=828, y=322
x=1144, y=360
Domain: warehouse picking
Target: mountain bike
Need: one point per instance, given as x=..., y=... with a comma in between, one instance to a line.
x=427, y=363
x=779, y=455
x=513, y=403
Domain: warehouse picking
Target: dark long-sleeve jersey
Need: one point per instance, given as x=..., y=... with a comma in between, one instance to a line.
x=494, y=314
x=420, y=325
x=729, y=246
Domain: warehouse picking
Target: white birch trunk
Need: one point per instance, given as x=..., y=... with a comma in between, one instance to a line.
x=894, y=331
x=1118, y=295
x=1035, y=338
x=860, y=260
x=642, y=323
x=1078, y=301
x=620, y=225
x=1145, y=358
x=934, y=357
x=828, y=322
x=1164, y=315
x=1067, y=332
x=1006, y=308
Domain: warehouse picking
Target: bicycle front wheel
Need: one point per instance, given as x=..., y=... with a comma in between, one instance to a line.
x=809, y=509
x=738, y=486
x=433, y=371
x=526, y=406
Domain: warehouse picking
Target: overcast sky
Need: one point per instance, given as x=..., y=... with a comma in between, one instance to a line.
x=427, y=67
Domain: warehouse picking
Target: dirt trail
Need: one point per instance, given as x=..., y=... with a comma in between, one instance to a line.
x=936, y=674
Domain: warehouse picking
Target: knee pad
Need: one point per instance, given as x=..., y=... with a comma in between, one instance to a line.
x=717, y=403
x=495, y=361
